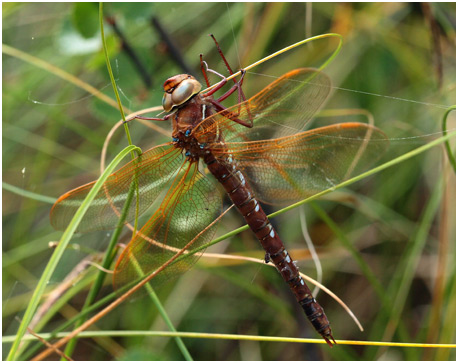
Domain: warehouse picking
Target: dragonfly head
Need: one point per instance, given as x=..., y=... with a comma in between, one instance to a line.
x=178, y=89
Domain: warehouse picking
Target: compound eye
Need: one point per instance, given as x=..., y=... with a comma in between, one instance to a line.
x=178, y=90
x=183, y=92
x=167, y=103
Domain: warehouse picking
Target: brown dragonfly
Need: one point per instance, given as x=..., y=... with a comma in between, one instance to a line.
x=258, y=150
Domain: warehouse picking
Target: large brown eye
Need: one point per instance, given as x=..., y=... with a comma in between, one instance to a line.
x=167, y=103
x=178, y=90
x=182, y=92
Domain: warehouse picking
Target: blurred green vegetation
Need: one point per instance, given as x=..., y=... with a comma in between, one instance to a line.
x=398, y=62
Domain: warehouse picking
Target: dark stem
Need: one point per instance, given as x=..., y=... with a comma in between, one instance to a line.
x=172, y=47
x=435, y=41
x=138, y=65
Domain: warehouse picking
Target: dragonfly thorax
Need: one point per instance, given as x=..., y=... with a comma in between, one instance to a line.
x=187, y=133
x=192, y=148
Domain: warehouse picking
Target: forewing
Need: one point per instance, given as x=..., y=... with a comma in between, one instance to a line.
x=192, y=203
x=282, y=108
x=152, y=170
x=292, y=168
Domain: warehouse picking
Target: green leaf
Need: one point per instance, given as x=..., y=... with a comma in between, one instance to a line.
x=85, y=19
x=131, y=12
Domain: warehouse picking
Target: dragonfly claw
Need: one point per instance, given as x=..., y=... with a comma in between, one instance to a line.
x=328, y=339
x=267, y=257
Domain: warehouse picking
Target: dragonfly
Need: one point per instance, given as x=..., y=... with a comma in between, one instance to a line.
x=259, y=152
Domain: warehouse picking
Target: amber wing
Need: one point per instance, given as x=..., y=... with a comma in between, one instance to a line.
x=186, y=214
x=152, y=171
x=282, y=108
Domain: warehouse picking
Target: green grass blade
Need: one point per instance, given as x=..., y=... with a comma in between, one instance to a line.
x=153, y=296
x=363, y=265
x=410, y=261
x=450, y=155
x=58, y=252
x=37, y=62
x=53, y=310
x=28, y=249
x=27, y=194
x=106, y=263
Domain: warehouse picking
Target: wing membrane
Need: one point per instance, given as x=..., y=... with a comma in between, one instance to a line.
x=189, y=207
x=153, y=169
x=291, y=168
x=282, y=108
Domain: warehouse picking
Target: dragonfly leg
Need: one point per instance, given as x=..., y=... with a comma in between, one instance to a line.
x=241, y=94
x=203, y=69
x=231, y=72
x=241, y=97
x=267, y=257
x=237, y=86
x=165, y=118
x=231, y=114
x=224, y=58
x=219, y=85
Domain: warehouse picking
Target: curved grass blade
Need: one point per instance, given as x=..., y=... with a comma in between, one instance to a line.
x=295, y=45
x=450, y=155
x=37, y=62
x=27, y=194
x=58, y=252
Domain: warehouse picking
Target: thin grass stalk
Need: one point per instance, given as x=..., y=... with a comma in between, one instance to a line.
x=58, y=252
x=54, y=309
x=155, y=299
x=448, y=148
x=295, y=45
x=110, y=72
x=408, y=264
x=27, y=194
x=108, y=258
x=365, y=268
x=199, y=335
x=153, y=296
x=120, y=107
x=448, y=331
x=444, y=240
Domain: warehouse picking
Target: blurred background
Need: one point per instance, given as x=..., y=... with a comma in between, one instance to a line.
x=386, y=243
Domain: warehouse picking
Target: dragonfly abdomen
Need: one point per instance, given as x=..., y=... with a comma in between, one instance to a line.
x=243, y=198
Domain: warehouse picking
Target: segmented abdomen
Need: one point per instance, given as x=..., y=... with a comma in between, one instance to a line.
x=241, y=195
